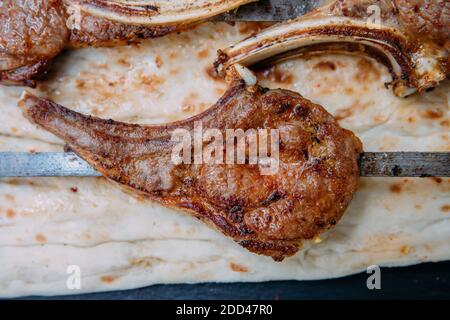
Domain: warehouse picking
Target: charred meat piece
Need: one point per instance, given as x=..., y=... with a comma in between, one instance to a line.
x=411, y=37
x=33, y=32
x=427, y=18
x=270, y=214
x=26, y=75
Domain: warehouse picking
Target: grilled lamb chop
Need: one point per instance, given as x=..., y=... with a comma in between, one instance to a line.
x=34, y=32
x=411, y=37
x=269, y=214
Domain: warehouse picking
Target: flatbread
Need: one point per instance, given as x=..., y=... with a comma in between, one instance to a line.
x=119, y=242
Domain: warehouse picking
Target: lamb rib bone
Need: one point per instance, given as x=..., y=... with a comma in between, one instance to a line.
x=417, y=61
x=154, y=13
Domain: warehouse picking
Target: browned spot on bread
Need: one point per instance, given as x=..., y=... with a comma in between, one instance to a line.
x=252, y=27
x=108, y=279
x=202, y=106
x=80, y=84
x=150, y=81
x=95, y=111
x=411, y=119
x=418, y=206
x=405, y=249
x=9, y=197
x=392, y=237
x=432, y=114
x=173, y=55
x=437, y=180
x=40, y=238
x=124, y=62
x=219, y=91
x=237, y=267
x=366, y=71
x=203, y=53
x=273, y=73
x=43, y=87
x=343, y=113
x=325, y=66
x=13, y=182
x=158, y=61
x=445, y=208
x=10, y=213
x=445, y=123
x=378, y=118
x=325, y=86
x=362, y=184
x=145, y=261
x=140, y=198
x=396, y=188
x=348, y=91
x=190, y=101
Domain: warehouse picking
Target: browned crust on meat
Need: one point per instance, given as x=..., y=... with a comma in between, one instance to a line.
x=32, y=33
x=267, y=214
x=97, y=31
x=428, y=18
x=26, y=75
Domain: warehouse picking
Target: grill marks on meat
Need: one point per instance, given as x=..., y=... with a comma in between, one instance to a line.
x=267, y=214
x=34, y=32
x=411, y=38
